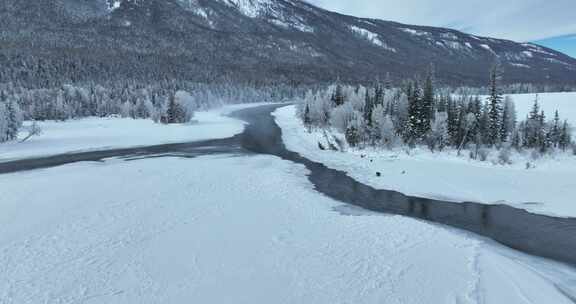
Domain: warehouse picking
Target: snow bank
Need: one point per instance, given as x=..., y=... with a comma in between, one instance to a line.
x=550, y=188
x=107, y=133
x=170, y=230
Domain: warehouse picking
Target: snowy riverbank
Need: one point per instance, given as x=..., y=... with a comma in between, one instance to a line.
x=107, y=133
x=175, y=230
x=549, y=188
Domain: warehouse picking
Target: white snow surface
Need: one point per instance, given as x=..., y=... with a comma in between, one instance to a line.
x=550, y=188
x=372, y=37
x=564, y=102
x=171, y=230
x=415, y=32
x=252, y=8
x=107, y=133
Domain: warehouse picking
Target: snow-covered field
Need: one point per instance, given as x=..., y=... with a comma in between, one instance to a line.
x=223, y=229
x=549, y=102
x=550, y=188
x=106, y=133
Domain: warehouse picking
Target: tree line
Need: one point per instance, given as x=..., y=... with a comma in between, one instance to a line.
x=163, y=102
x=419, y=113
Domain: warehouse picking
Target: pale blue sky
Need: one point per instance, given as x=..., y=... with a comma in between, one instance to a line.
x=550, y=22
x=565, y=44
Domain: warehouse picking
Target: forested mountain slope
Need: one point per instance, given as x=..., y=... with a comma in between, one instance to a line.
x=44, y=43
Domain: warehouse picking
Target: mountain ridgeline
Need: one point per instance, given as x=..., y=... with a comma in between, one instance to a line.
x=50, y=42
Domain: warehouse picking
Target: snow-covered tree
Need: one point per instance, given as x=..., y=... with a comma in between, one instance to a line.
x=14, y=119
x=565, y=140
x=462, y=122
x=355, y=129
x=437, y=138
x=508, y=119
x=175, y=112
x=3, y=122
x=494, y=107
x=188, y=104
x=342, y=116
x=338, y=97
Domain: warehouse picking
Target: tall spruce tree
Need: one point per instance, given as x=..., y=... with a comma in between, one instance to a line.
x=338, y=95
x=379, y=94
x=427, y=103
x=368, y=107
x=411, y=131
x=555, y=131
x=453, y=121
x=307, y=118
x=508, y=119
x=14, y=119
x=495, y=107
x=565, y=139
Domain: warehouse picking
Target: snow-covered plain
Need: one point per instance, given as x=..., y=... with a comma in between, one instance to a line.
x=549, y=188
x=565, y=103
x=225, y=229
x=107, y=133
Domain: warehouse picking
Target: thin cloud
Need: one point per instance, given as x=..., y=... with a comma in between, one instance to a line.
x=520, y=20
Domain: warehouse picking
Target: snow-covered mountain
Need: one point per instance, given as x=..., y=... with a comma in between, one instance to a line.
x=260, y=40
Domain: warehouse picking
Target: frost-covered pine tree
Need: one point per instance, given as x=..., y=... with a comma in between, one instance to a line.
x=3, y=122
x=494, y=127
x=376, y=118
x=10, y=120
x=355, y=130
x=428, y=102
x=415, y=120
x=379, y=94
x=307, y=119
x=555, y=133
x=508, y=119
x=175, y=112
x=437, y=137
x=342, y=116
x=453, y=124
x=565, y=136
x=14, y=119
x=534, y=128
x=369, y=106
x=338, y=96
x=383, y=129
x=388, y=135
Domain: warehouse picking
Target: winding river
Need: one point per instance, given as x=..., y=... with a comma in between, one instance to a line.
x=539, y=235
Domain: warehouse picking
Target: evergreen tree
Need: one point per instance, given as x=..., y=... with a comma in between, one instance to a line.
x=338, y=96
x=565, y=139
x=14, y=120
x=3, y=122
x=494, y=108
x=307, y=118
x=483, y=126
x=427, y=103
x=452, y=122
x=516, y=137
x=388, y=81
x=369, y=105
x=555, y=131
x=508, y=119
x=175, y=113
x=413, y=128
x=543, y=139
x=378, y=94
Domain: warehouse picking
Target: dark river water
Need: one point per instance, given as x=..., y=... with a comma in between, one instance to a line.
x=539, y=235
